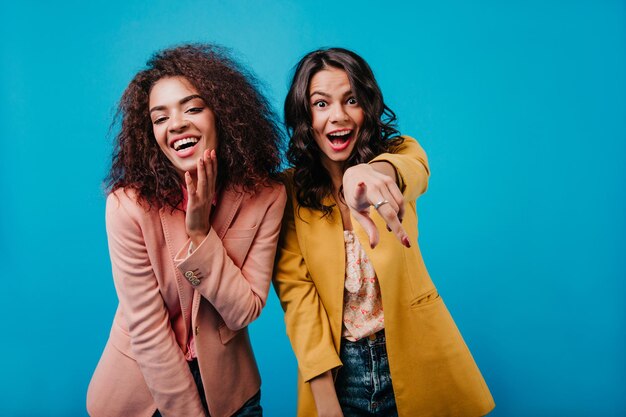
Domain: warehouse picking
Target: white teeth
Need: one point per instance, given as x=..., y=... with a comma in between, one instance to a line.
x=342, y=133
x=179, y=143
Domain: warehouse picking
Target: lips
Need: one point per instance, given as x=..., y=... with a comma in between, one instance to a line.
x=340, y=139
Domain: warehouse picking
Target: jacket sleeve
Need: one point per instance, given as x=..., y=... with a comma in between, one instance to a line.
x=306, y=319
x=238, y=294
x=411, y=165
x=152, y=339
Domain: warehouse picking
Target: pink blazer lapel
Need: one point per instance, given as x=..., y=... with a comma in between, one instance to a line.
x=173, y=224
x=227, y=206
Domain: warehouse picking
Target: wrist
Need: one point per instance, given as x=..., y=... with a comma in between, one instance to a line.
x=324, y=394
x=198, y=237
x=385, y=168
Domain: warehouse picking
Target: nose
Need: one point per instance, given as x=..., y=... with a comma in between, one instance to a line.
x=178, y=122
x=338, y=114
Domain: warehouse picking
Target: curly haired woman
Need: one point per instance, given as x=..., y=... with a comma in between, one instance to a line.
x=370, y=332
x=192, y=217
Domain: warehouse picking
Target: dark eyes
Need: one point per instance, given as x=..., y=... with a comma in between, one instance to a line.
x=191, y=110
x=320, y=104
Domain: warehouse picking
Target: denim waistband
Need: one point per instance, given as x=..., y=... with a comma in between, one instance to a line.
x=373, y=339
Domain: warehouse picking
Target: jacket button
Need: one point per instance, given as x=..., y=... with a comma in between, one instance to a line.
x=192, y=278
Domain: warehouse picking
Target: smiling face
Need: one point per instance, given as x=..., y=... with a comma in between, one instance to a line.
x=336, y=116
x=182, y=123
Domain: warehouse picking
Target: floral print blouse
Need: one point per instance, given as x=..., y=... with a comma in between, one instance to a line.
x=362, y=303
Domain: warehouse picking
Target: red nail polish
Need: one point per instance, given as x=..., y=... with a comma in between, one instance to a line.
x=406, y=242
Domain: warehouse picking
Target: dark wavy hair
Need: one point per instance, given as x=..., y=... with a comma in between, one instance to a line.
x=247, y=129
x=377, y=135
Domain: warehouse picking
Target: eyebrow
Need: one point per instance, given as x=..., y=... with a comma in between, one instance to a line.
x=323, y=94
x=181, y=101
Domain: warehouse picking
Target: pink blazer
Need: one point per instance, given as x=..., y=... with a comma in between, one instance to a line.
x=164, y=294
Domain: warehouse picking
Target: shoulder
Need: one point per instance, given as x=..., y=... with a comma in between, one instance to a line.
x=124, y=205
x=269, y=192
x=406, y=142
x=264, y=197
x=123, y=199
x=274, y=188
x=403, y=148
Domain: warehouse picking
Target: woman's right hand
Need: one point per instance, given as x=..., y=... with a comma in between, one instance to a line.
x=200, y=196
x=325, y=396
x=374, y=184
x=331, y=412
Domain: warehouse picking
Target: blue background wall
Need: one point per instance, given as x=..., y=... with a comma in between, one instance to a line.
x=520, y=105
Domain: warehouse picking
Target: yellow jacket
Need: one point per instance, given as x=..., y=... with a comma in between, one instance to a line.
x=433, y=372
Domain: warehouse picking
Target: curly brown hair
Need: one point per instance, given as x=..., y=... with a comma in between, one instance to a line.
x=248, y=133
x=377, y=135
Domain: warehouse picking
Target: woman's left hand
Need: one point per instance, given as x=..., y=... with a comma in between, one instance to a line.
x=366, y=185
x=200, y=197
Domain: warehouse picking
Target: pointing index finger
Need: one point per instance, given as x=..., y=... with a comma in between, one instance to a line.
x=392, y=219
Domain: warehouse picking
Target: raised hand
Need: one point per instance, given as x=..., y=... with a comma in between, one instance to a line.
x=200, y=195
x=365, y=185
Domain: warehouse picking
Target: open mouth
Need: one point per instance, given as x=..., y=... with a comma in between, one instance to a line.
x=185, y=143
x=340, y=139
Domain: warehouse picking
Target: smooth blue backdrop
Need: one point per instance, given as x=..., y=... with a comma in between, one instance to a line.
x=520, y=105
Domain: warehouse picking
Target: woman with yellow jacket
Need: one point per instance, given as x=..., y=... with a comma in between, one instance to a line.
x=370, y=332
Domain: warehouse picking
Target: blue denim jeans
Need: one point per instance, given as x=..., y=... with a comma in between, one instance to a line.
x=251, y=408
x=363, y=383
